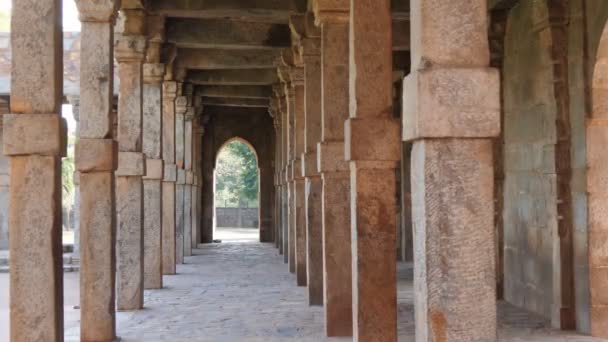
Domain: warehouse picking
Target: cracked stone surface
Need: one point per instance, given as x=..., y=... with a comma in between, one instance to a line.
x=241, y=290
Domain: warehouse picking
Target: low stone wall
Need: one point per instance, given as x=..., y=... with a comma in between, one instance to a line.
x=237, y=217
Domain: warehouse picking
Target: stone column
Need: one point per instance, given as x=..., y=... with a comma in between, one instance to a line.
x=298, y=109
x=373, y=148
x=291, y=182
x=130, y=51
x=283, y=175
x=197, y=132
x=34, y=140
x=181, y=107
x=169, y=177
x=314, y=182
x=334, y=171
x=4, y=193
x=153, y=195
x=451, y=113
x=188, y=144
x=96, y=163
x=265, y=172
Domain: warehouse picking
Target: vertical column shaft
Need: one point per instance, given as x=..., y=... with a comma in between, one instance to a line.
x=34, y=137
x=452, y=127
x=188, y=144
x=152, y=148
x=314, y=183
x=299, y=181
x=169, y=178
x=96, y=163
x=334, y=172
x=181, y=106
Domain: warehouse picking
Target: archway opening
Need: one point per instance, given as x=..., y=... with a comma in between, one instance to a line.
x=236, y=193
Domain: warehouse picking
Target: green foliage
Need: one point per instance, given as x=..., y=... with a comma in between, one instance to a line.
x=236, y=176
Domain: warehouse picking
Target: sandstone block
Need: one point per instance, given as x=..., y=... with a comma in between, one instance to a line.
x=372, y=139
x=154, y=73
x=181, y=176
x=309, y=164
x=96, y=11
x=95, y=155
x=154, y=169
x=330, y=157
x=189, y=177
x=131, y=164
x=450, y=103
x=170, y=173
x=43, y=134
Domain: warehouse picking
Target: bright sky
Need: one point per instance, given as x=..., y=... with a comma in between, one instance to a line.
x=70, y=14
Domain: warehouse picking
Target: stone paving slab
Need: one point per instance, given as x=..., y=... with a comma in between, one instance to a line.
x=242, y=292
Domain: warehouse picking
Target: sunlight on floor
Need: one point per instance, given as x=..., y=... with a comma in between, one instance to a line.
x=237, y=234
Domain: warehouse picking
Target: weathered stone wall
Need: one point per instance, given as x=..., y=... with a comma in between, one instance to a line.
x=530, y=218
x=253, y=125
x=237, y=217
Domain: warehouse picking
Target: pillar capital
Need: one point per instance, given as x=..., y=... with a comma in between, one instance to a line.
x=97, y=11
x=331, y=11
x=169, y=90
x=130, y=49
x=181, y=105
x=154, y=73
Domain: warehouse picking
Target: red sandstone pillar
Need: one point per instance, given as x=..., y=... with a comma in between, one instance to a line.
x=451, y=113
x=373, y=148
x=34, y=141
x=333, y=18
x=314, y=184
x=96, y=163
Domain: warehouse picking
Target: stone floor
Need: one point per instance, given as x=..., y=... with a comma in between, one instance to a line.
x=240, y=291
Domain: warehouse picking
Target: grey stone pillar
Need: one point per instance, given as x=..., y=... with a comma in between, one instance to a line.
x=96, y=163
x=130, y=51
x=152, y=181
x=4, y=195
x=34, y=140
x=169, y=178
x=452, y=127
x=188, y=148
x=181, y=107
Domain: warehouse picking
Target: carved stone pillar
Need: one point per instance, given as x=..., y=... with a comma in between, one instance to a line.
x=373, y=147
x=181, y=107
x=169, y=177
x=299, y=199
x=96, y=163
x=34, y=140
x=451, y=113
x=130, y=51
x=334, y=170
x=314, y=182
x=188, y=147
x=285, y=217
x=292, y=202
x=153, y=195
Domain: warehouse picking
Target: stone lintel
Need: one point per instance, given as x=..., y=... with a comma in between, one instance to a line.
x=131, y=164
x=96, y=155
x=451, y=103
x=154, y=73
x=206, y=59
x=170, y=174
x=154, y=169
x=243, y=92
x=97, y=11
x=253, y=77
x=372, y=139
x=309, y=164
x=25, y=134
x=330, y=157
x=181, y=177
x=130, y=49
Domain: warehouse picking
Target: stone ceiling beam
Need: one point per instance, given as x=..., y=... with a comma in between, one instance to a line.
x=227, y=59
x=216, y=33
x=235, y=102
x=242, y=92
x=234, y=77
x=270, y=11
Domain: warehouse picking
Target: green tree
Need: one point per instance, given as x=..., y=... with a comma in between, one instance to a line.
x=236, y=176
